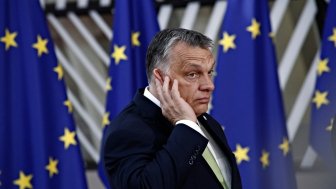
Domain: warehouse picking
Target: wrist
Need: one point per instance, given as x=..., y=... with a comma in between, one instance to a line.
x=186, y=122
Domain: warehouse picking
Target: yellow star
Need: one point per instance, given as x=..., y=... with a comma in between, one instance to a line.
x=41, y=45
x=227, y=41
x=330, y=126
x=135, y=38
x=106, y=119
x=108, y=85
x=320, y=98
x=68, y=138
x=333, y=37
x=119, y=54
x=264, y=159
x=241, y=153
x=52, y=167
x=24, y=181
x=322, y=66
x=68, y=104
x=254, y=28
x=9, y=39
x=59, y=70
x=284, y=146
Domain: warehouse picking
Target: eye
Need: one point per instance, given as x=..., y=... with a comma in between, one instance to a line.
x=193, y=75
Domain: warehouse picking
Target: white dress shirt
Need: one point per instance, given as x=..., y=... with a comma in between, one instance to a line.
x=213, y=147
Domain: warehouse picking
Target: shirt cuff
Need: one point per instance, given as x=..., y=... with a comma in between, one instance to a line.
x=192, y=125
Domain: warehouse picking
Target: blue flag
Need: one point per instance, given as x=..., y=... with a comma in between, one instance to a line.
x=38, y=143
x=324, y=98
x=135, y=24
x=247, y=100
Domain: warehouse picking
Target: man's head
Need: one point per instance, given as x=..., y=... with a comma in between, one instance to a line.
x=186, y=56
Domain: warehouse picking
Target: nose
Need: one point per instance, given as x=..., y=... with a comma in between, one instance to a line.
x=207, y=84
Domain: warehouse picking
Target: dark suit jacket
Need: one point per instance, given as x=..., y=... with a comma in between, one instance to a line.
x=143, y=150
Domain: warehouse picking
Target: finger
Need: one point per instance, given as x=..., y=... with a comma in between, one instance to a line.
x=166, y=84
x=175, y=92
x=165, y=89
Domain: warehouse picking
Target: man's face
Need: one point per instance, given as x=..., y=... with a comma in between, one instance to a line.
x=193, y=68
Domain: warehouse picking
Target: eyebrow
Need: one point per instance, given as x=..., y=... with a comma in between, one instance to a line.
x=197, y=65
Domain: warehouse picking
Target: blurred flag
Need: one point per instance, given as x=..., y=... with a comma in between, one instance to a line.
x=38, y=143
x=247, y=99
x=135, y=24
x=324, y=97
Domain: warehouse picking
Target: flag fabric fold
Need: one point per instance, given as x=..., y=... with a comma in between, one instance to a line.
x=247, y=100
x=324, y=97
x=38, y=143
x=134, y=25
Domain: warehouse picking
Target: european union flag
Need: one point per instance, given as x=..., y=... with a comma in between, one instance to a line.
x=38, y=143
x=247, y=99
x=135, y=24
x=324, y=98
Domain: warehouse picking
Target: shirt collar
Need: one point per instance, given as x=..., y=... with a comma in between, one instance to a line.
x=151, y=97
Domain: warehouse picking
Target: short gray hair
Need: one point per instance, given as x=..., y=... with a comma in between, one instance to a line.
x=159, y=49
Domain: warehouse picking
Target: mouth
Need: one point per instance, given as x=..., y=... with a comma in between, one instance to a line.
x=204, y=100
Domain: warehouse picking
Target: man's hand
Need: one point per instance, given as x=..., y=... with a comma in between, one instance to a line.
x=173, y=106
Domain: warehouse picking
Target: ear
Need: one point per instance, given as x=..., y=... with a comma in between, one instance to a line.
x=158, y=75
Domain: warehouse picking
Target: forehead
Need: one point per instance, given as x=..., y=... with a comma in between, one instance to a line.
x=183, y=53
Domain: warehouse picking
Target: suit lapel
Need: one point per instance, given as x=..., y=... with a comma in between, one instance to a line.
x=216, y=132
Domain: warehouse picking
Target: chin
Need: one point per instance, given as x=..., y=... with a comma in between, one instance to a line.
x=200, y=110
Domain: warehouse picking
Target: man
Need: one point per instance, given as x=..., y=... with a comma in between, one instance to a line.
x=164, y=138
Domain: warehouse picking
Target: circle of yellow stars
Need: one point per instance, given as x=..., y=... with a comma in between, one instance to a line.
x=24, y=179
x=242, y=153
x=118, y=54
x=320, y=98
x=9, y=40
x=228, y=40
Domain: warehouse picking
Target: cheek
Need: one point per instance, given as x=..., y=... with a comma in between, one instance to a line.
x=188, y=93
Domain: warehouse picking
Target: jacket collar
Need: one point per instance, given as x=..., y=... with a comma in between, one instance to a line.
x=150, y=111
